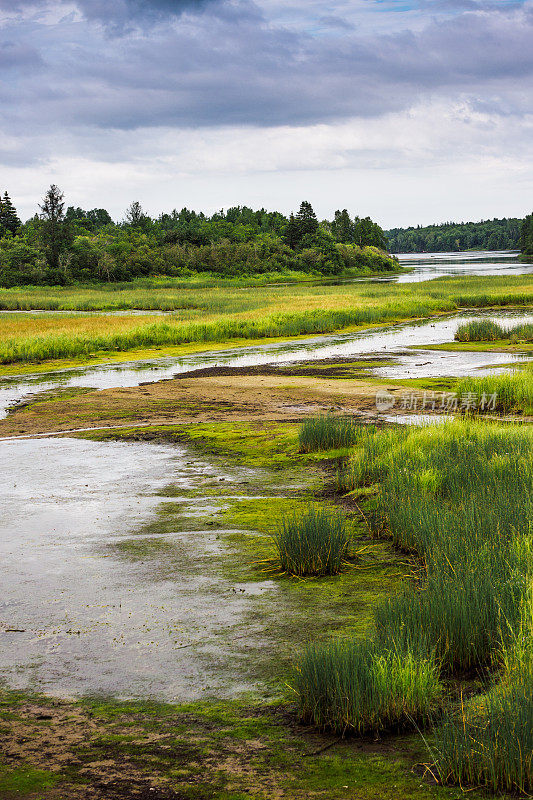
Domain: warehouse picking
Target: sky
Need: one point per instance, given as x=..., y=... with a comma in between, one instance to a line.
x=410, y=111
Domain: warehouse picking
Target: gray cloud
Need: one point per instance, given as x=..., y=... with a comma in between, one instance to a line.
x=118, y=14
x=14, y=55
x=232, y=67
x=124, y=14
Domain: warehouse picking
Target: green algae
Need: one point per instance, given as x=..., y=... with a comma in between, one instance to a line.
x=224, y=750
x=25, y=780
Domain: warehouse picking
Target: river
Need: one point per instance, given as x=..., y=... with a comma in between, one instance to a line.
x=98, y=598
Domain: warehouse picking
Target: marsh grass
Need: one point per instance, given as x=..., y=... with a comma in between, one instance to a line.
x=210, y=310
x=460, y=497
x=355, y=687
x=485, y=330
x=479, y=330
x=316, y=542
x=327, y=432
x=512, y=392
x=489, y=741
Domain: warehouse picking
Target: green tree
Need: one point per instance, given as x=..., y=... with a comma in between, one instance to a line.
x=135, y=216
x=306, y=219
x=56, y=234
x=369, y=234
x=305, y=223
x=92, y=221
x=292, y=233
x=9, y=220
x=342, y=227
x=526, y=236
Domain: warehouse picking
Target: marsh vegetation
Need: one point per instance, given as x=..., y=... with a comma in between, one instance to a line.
x=225, y=314
x=460, y=498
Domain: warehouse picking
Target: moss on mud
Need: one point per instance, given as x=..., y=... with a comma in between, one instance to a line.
x=219, y=750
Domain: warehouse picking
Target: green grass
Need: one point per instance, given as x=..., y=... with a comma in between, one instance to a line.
x=167, y=333
x=351, y=686
x=327, y=432
x=507, y=393
x=459, y=496
x=22, y=780
x=229, y=312
x=490, y=741
x=316, y=542
x=484, y=330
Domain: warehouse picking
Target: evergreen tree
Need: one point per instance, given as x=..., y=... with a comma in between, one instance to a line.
x=306, y=219
x=292, y=232
x=9, y=220
x=56, y=233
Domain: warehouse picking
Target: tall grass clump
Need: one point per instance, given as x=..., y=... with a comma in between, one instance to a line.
x=480, y=330
x=506, y=393
x=356, y=687
x=315, y=543
x=489, y=741
x=327, y=432
x=485, y=330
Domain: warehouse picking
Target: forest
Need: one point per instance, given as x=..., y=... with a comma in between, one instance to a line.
x=495, y=234
x=526, y=236
x=63, y=245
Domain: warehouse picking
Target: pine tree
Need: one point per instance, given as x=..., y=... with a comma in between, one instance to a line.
x=306, y=219
x=292, y=232
x=9, y=220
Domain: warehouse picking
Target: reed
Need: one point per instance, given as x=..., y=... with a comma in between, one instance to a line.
x=460, y=497
x=316, y=543
x=485, y=330
x=479, y=330
x=507, y=393
x=216, y=310
x=489, y=741
x=327, y=432
x=355, y=687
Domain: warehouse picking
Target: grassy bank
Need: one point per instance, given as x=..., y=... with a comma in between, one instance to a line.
x=460, y=496
x=229, y=313
x=507, y=393
x=485, y=330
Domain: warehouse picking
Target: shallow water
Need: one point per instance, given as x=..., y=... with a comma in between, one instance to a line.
x=391, y=341
x=427, y=266
x=92, y=600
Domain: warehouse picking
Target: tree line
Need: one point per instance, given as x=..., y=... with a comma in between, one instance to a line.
x=495, y=234
x=526, y=236
x=61, y=245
